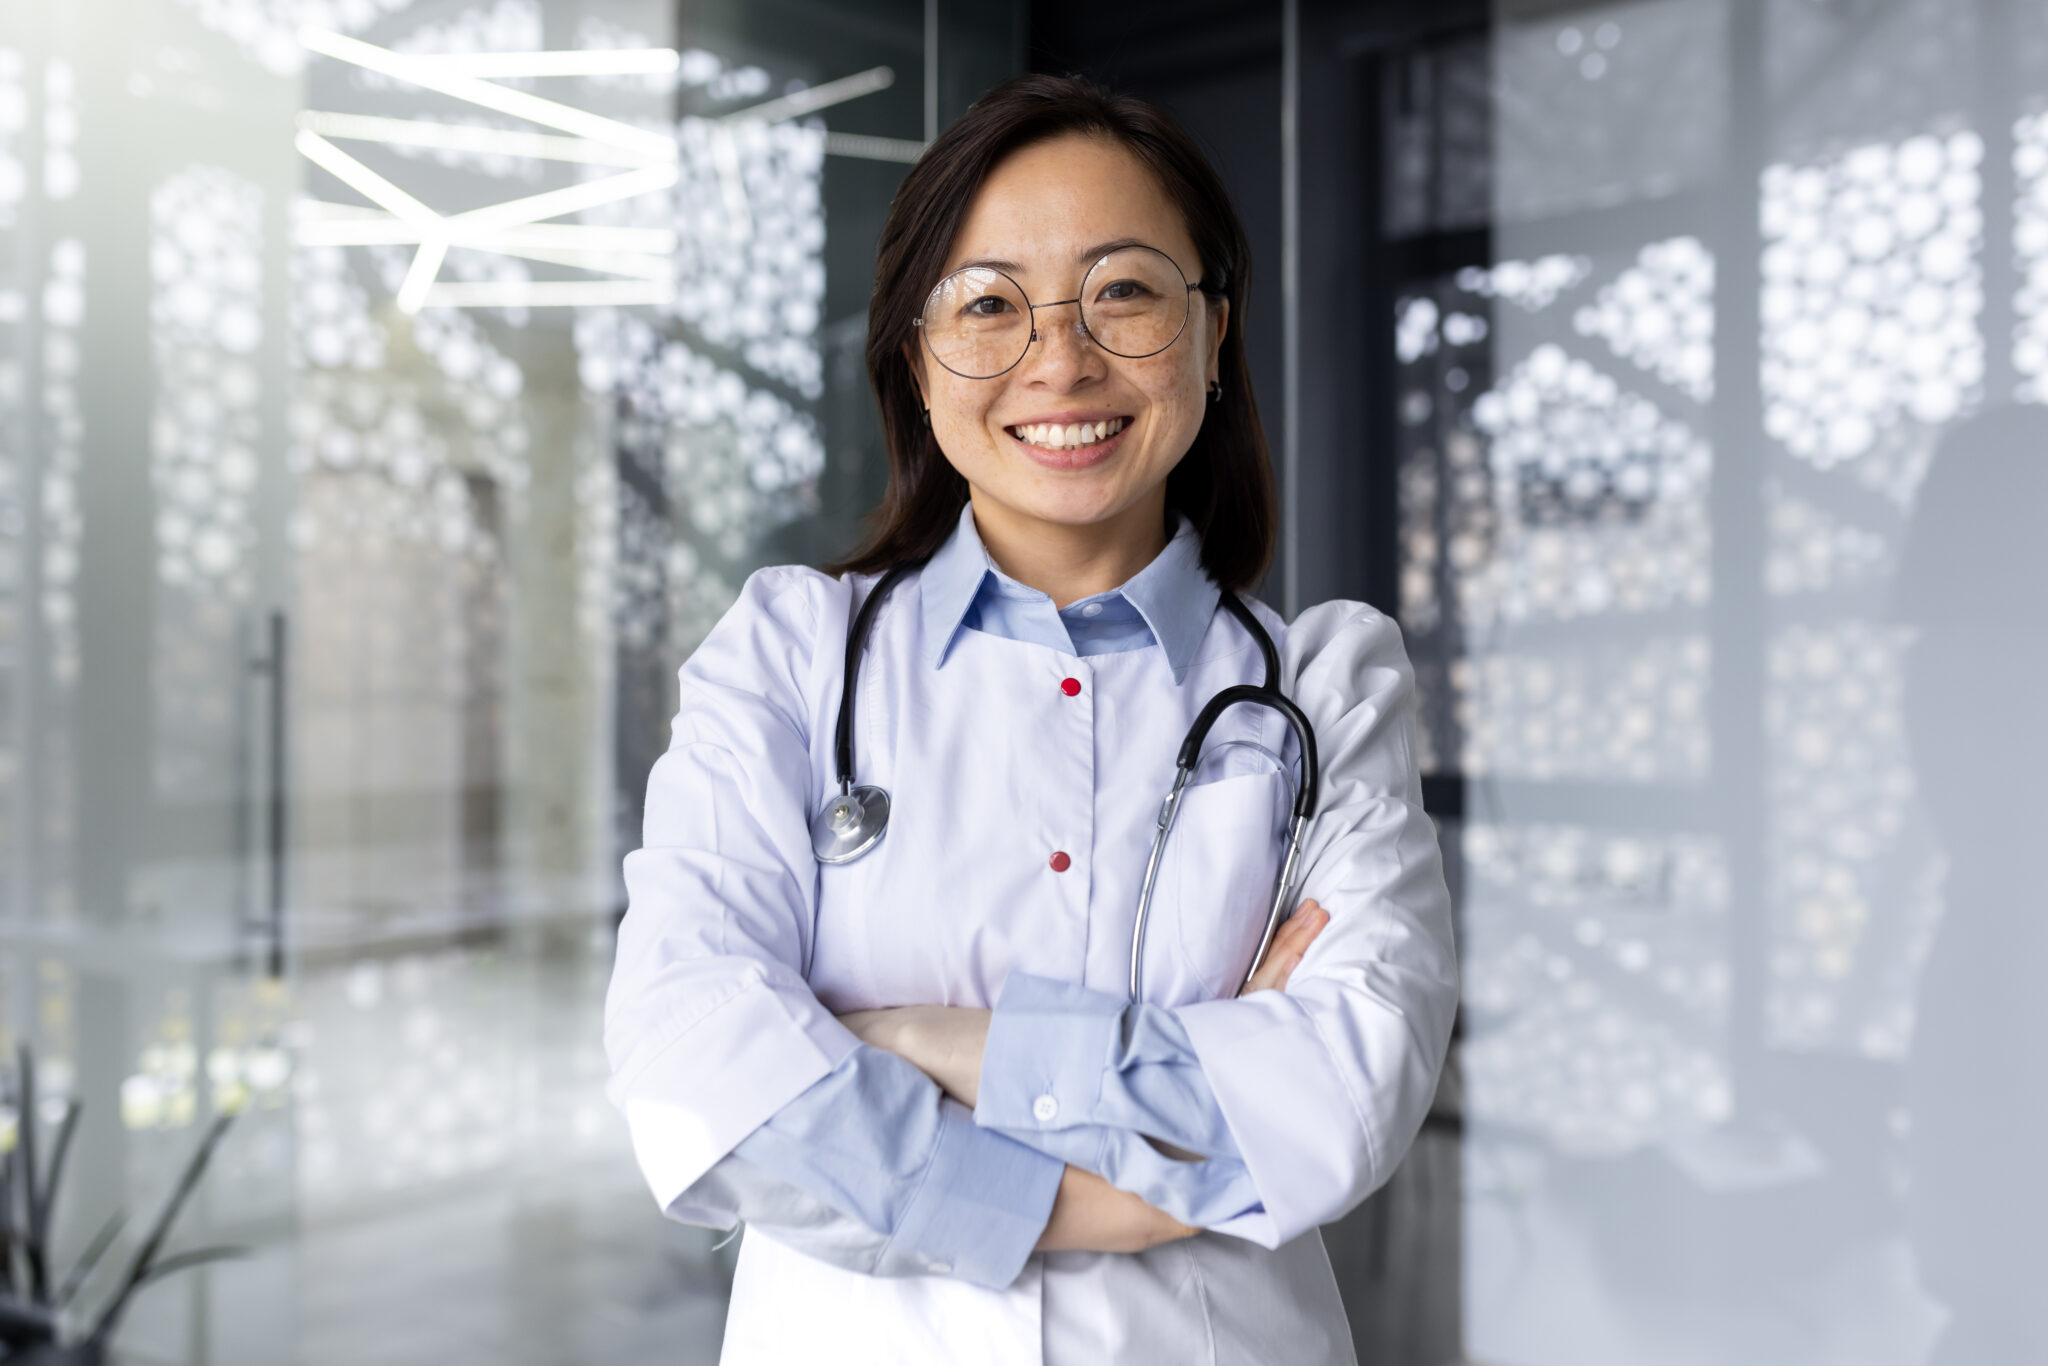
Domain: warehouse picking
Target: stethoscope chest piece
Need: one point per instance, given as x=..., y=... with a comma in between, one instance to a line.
x=849, y=824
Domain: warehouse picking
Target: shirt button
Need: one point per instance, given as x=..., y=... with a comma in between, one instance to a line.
x=1060, y=861
x=1093, y=609
x=1071, y=686
x=1045, y=1109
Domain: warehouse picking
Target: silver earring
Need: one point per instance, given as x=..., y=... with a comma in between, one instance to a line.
x=1216, y=391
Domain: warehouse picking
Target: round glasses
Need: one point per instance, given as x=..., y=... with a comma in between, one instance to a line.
x=978, y=323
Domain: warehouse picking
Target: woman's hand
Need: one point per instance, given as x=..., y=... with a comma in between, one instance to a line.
x=1288, y=945
x=943, y=1042
x=946, y=1042
x=1090, y=1215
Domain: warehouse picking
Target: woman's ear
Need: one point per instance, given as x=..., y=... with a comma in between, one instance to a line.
x=913, y=356
x=1220, y=312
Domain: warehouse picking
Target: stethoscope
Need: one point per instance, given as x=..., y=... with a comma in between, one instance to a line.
x=854, y=821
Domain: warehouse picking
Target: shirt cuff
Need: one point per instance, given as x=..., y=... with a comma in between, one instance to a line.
x=1049, y=1045
x=982, y=1205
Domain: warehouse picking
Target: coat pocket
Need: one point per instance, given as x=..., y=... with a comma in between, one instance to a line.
x=1216, y=879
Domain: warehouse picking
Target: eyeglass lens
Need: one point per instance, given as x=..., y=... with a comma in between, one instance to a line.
x=1133, y=301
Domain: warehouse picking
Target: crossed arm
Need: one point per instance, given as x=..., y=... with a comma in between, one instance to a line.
x=1089, y=1214
x=711, y=1029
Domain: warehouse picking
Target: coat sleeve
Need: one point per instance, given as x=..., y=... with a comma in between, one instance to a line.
x=1089, y=1078
x=710, y=1027
x=874, y=1171
x=712, y=1033
x=1325, y=1085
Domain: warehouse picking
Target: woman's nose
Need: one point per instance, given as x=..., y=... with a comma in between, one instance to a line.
x=1064, y=348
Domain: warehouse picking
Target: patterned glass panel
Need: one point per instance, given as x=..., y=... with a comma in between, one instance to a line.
x=1743, y=788
x=474, y=354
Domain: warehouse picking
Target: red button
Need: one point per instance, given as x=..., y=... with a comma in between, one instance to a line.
x=1060, y=862
x=1071, y=686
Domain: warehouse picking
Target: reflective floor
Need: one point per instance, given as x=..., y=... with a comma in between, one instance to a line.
x=464, y=1191
x=468, y=1195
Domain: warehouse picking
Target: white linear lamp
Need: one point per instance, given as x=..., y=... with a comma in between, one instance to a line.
x=459, y=137
x=514, y=227
x=816, y=97
x=434, y=73
x=650, y=61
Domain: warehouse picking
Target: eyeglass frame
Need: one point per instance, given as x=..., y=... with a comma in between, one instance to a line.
x=1081, y=312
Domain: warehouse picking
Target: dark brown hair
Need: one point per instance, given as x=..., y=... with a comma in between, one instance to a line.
x=1223, y=485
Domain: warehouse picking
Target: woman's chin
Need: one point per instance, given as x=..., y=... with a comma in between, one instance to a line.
x=1070, y=507
x=1089, y=493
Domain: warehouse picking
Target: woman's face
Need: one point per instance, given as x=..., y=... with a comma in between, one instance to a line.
x=1047, y=213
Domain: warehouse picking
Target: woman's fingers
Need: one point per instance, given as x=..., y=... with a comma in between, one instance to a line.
x=1287, y=947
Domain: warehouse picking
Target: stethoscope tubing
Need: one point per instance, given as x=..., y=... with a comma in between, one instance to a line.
x=856, y=645
x=1304, y=807
x=855, y=820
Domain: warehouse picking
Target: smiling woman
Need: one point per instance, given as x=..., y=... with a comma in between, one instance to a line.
x=1035, y=499
x=924, y=1048
x=1060, y=203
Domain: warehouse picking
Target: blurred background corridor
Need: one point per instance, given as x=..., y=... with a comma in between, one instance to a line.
x=393, y=392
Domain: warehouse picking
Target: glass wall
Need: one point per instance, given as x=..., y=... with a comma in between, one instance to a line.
x=391, y=395
x=1720, y=489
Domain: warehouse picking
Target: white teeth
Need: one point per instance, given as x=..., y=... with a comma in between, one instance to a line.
x=1055, y=436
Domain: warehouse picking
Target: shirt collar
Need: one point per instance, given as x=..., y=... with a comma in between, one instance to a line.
x=1172, y=594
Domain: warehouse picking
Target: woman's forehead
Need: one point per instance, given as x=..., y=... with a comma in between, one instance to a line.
x=1052, y=207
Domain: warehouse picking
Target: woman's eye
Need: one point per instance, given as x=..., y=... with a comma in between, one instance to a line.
x=987, y=306
x=1121, y=291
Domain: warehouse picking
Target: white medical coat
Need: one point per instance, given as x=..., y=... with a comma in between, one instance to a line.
x=993, y=767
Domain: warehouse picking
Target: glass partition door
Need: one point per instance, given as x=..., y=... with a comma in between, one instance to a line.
x=391, y=395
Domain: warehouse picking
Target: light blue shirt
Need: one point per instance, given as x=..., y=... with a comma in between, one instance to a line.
x=937, y=1188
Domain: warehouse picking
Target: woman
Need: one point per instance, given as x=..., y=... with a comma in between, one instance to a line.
x=915, y=1073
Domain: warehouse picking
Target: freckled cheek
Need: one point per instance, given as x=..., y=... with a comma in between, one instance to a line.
x=1175, y=416
x=960, y=421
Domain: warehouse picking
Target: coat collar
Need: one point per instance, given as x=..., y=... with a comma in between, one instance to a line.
x=1172, y=594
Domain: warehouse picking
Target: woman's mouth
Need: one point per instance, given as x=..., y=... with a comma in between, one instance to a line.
x=1075, y=437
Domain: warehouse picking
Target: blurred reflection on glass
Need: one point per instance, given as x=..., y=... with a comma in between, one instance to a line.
x=1718, y=543
x=1969, y=585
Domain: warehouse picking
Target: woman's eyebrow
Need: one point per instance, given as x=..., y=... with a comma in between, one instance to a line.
x=1103, y=249
x=1012, y=268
